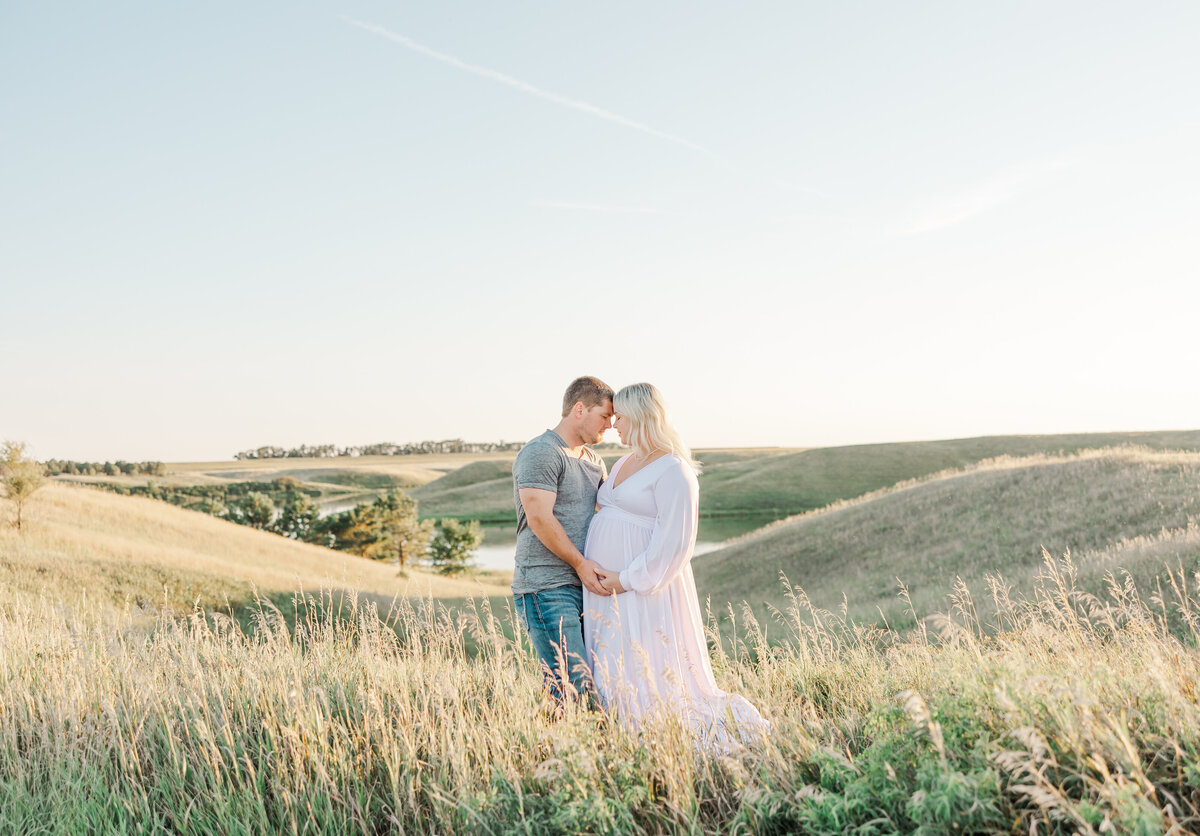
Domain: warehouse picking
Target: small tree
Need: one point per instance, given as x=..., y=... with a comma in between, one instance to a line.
x=19, y=475
x=402, y=534
x=453, y=545
x=388, y=529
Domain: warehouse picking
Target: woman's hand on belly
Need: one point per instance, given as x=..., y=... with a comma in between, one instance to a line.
x=611, y=581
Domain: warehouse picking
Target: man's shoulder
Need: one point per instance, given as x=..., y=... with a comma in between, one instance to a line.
x=545, y=451
x=547, y=437
x=547, y=442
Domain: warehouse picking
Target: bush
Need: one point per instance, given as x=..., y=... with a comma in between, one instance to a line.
x=453, y=545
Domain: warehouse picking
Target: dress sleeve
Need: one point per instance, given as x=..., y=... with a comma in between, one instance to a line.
x=677, y=495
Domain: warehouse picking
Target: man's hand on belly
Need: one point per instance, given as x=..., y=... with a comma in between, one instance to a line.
x=539, y=510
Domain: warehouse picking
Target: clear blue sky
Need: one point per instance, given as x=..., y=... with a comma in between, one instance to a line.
x=233, y=224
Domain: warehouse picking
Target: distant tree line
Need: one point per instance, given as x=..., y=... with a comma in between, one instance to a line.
x=387, y=529
x=227, y=500
x=55, y=467
x=329, y=451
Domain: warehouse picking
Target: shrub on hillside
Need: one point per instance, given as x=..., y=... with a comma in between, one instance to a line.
x=454, y=543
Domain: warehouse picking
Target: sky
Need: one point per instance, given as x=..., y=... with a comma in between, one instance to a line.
x=226, y=225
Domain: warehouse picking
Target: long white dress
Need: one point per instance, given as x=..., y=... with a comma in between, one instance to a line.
x=647, y=646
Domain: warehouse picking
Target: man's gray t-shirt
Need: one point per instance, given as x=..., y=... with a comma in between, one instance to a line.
x=545, y=463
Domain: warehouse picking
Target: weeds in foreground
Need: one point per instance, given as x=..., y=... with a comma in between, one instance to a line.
x=1076, y=714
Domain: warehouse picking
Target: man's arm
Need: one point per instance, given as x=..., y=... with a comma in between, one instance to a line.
x=539, y=511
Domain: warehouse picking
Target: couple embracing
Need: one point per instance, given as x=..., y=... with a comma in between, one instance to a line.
x=603, y=580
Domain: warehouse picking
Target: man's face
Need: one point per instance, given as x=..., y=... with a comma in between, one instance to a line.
x=596, y=421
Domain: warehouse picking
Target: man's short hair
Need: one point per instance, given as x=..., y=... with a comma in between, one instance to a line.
x=590, y=391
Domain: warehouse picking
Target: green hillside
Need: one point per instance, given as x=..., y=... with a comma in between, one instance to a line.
x=479, y=490
x=472, y=473
x=1125, y=508
x=814, y=478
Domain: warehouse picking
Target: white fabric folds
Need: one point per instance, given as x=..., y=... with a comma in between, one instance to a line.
x=647, y=646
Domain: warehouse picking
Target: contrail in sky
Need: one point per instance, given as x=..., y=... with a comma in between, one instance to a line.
x=525, y=87
x=983, y=196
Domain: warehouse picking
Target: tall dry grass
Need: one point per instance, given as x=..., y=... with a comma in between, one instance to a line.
x=1079, y=716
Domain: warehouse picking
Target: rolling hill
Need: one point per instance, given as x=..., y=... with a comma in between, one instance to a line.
x=781, y=482
x=814, y=478
x=82, y=543
x=1129, y=508
x=482, y=490
x=478, y=490
x=1109, y=508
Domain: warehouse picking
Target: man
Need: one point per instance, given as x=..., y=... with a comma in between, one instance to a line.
x=555, y=480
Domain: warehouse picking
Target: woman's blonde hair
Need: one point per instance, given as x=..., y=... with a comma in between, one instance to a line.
x=650, y=426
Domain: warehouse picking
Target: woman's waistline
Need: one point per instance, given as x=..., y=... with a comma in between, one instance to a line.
x=634, y=519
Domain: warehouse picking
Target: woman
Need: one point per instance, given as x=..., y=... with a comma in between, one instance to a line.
x=646, y=640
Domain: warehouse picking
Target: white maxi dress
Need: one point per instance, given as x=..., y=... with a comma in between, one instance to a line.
x=647, y=646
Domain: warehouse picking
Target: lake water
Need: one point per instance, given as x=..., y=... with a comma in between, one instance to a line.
x=499, y=541
x=336, y=506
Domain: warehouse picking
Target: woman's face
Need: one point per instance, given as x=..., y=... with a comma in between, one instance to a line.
x=621, y=425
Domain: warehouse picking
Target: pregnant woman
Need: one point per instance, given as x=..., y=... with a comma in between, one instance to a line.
x=645, y=640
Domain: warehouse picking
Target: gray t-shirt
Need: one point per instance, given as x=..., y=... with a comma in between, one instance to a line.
x=545, y=463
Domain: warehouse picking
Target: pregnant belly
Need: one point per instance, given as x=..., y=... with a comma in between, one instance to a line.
x=613, y=542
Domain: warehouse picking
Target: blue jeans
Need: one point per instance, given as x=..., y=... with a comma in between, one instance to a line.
x=554, y=620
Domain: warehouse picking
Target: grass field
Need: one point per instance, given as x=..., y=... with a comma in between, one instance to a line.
x=1081, y=717
x=1052, y=702
x=1123, y=509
